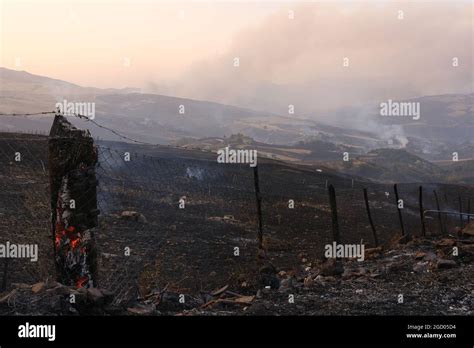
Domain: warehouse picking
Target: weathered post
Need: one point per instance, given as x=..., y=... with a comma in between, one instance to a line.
x=422, y=212
x=446, y=216
x=395, y=188
x=5, y=274
x=461, y=221
x=468, y=210
x=440, y=218
x=374, y=232
x=259, y=207
x=73, y=186
x=335, y=223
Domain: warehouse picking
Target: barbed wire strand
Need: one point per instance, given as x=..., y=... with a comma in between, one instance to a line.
x=29, y=114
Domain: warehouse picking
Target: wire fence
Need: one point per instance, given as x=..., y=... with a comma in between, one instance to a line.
x=178, y=219
x=24, y=205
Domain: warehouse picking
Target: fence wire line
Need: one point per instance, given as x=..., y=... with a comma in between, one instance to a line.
x=29, y=114
x=88, y=119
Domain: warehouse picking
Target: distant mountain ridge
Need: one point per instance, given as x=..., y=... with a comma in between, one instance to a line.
x=446, y=122
x=157, y=118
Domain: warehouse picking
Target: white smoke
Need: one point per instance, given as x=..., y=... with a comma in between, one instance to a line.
x=300, y=61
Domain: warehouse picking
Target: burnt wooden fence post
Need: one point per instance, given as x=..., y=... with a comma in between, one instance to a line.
x=334, y=220
x=422, y=212
x=374, y=232
x=259, y=207
x=395, y=188
x=74, y=218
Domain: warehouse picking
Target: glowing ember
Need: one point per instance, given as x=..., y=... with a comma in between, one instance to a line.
x=82, y=281
x=71, y=247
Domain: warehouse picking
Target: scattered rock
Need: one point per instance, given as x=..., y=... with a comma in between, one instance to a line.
x=133, y=216
x=430, y=256
x=419, y=255
x=99, y=296
x=468, y=229
x=286, y=284
x=445, y=242
x=443, y=264
x=308, y=282
x=38, y=287
x=244, y=299
x=324, y=280
x=373, y=252
x=421, y=267
x=331, y=268
x=352, y=273
x=142, y=309
x=108, y=255
x=330, y=279
x=466, y=253
x=226, y=218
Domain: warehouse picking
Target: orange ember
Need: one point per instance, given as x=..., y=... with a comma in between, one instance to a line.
x=82, y=281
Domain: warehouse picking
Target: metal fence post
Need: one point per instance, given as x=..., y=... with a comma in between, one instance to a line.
x=334, y=220
x=374, y=232
x=259, y=207
x=422, y=213
x=395, y=188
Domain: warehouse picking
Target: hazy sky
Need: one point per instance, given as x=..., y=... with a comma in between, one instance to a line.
x=289, y=53
x=119, y=43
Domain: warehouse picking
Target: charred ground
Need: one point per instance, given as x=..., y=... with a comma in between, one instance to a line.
x=190, y=251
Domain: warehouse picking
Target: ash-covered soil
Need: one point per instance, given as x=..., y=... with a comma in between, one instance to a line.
x=423, y=271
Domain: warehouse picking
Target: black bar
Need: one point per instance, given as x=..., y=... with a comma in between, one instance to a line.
x=133, y=330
